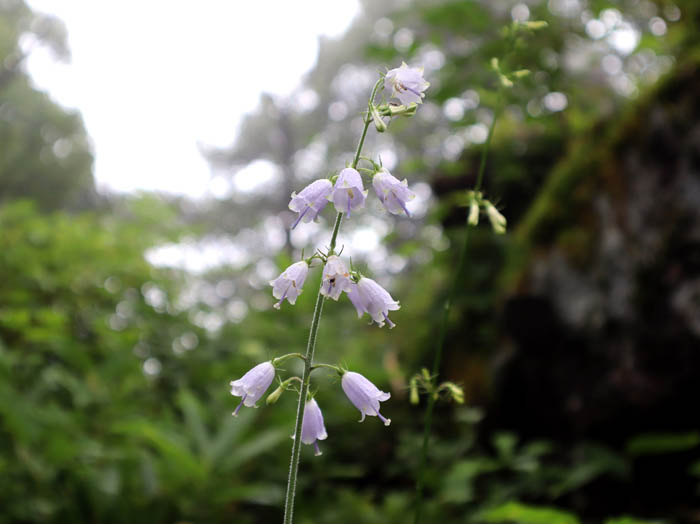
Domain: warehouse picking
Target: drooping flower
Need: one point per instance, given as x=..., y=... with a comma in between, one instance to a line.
x=253, y=385
x=312, y=428
x=369, y=297
x=392, y=193
x=348, y=192
x=311, y=200
x=406, y=83
x=288, y=285
x=364, y=395
x=336, y=278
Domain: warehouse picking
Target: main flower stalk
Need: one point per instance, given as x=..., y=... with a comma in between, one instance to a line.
x=311, y=345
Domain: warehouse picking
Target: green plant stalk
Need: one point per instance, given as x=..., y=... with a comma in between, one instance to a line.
x=311, y=347
x=420, y=480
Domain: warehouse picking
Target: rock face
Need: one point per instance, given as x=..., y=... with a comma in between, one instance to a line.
x=604, y=321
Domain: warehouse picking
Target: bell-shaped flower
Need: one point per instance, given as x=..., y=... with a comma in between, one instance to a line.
x=311, y=200
x=369, y=297
x=288, y=285
x=348, y=192
x=406, y=83
x=253, y=385
x=336, y=278
x=312, y=428
x=392, y=193
x=364, y=395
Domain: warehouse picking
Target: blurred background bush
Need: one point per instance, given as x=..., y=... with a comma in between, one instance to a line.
x=576, y=336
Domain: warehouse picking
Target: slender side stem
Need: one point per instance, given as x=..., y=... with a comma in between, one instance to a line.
x=310, y=348
x=420, y=481
x=487, y=146
x=327, y=366
x=367, y=121
x=279, y=360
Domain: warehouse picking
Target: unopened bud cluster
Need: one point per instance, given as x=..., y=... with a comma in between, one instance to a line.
x=424, y=382
x=476, y=202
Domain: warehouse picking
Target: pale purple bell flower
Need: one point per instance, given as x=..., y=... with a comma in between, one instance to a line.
x=348, y=192
x=336, y=278
x=311, y=200
x=312, y=428
x=364, y=395
x=253, y=385
x=392, y=193
x=288, y=285
x=406, y=83
x=369, y=297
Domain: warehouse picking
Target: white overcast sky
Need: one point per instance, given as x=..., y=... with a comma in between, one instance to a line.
x=152, y=78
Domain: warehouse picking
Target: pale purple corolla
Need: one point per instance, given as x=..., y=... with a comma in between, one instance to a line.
x=391, y=192
x=253, y=385
x=364, y=395
x=348, y=192
x=312, y=428
x=336, y=278
x=406, y=83
x=369, y=297
x=311, y=200
x=288, y=285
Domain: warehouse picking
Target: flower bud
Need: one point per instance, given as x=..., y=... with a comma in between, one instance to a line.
x=378, y=122
x=505, y=81
x=498, y=221
x=473, y=219
x=413, y=386
x=276, y=394
x=521, y=73
x=456, y=392
x=402, y=110
x=534, y=25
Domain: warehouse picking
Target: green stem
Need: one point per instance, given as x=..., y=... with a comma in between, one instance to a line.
x=487, y=145
x=279, y=360
x=328, y=366
x=311, y=347
x=296, y=445
x=367, y=120
x=420, y=481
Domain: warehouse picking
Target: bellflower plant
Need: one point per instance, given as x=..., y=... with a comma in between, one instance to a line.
x=475, y=202
x=347, y=192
